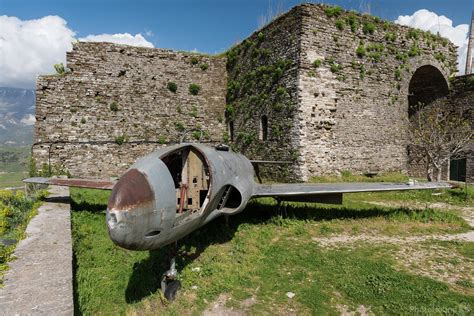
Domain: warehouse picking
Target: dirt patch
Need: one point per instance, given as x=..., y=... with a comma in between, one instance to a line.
x=437, y=262
x=360, y=310
x=219, y=307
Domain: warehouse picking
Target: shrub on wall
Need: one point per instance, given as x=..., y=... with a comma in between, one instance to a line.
x=172, y=86
x=119, y=140
x=340, y=24
x=368, y=28
x=360, y=51
x=333, y=11
x=113, y=106
x=317, y=63
x=194, y=89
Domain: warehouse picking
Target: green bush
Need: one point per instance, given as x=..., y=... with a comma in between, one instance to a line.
x=331, y=11
x=340, y=24
x=194, y=60
x=60, y=70
x=232, y=55
x=260, y=36
x=413, y=33
x=402, y=57
x=179, y=126
x=368, y=28
x=204, y=66
x=172, y=86
x=414, y=51
x=335, y=67
x=194, y=111
x=360, y=51
x=439, y=56
x=83, y=121
x=398, y=74
x=194, y=89
x=317, y=63
x=229, y=111
x=352, y=21
x=113, y=106
x=119, y=140
x=390, y=37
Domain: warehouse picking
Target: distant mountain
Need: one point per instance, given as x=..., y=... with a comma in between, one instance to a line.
x=17, y=116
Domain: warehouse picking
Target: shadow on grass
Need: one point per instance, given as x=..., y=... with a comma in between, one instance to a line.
x=145, y=279
x=88, y=206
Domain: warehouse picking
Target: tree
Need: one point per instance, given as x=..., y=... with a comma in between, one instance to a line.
x=440, y=132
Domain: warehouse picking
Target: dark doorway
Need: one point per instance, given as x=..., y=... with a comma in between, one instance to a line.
x=457, y=170
x=426, y=85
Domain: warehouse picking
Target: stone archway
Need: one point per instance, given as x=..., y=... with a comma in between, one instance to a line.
x=426, y=85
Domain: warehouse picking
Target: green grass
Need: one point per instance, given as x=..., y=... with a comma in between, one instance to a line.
x=265, y=255
x=13, y=165
x=12, y=179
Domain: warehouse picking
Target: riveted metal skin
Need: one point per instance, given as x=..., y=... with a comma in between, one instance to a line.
x=136, y=223
x=142, y=212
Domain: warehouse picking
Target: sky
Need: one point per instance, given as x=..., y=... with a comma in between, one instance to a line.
x=34, y=35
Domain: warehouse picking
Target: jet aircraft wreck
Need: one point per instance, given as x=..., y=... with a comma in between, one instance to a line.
x=173, y=191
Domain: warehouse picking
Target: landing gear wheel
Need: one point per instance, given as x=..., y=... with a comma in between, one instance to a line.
x=172, y=289
x=169, y=282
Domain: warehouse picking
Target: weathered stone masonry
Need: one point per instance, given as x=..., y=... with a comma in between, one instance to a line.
x=350, y=105
x=115, y=106
x=328, y=90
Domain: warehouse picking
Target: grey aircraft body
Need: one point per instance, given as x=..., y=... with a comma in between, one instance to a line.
x=173, y=191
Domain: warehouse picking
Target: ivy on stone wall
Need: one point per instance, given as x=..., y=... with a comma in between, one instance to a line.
x=257, y=87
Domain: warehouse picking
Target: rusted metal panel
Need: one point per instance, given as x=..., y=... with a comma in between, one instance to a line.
x=132, y=190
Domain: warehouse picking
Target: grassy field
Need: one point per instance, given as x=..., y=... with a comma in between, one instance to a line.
x=250, y=265
x=13, y=165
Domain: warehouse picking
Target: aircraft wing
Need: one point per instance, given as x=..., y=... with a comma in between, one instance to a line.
x=332, y=192
x=101, y=184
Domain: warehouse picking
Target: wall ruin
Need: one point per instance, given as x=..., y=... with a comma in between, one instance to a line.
x=326, y=89
x=117, y=103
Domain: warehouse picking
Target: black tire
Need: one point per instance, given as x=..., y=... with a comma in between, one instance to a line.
x=172, y=289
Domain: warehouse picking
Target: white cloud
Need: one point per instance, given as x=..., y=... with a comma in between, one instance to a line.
x=430, y=21
x=121, y=38
x=28, y=119
x=29, y=48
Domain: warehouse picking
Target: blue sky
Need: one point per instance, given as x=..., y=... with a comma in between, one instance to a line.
x=207, y=25
x=36, y=34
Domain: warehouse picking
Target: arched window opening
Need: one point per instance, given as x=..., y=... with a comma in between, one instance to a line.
x=263, y=135
x=231, y=130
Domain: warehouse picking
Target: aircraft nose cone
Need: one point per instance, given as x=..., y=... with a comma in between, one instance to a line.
x=132, y=197
x=131, y=191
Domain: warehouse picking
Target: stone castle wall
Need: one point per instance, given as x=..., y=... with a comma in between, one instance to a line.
x=263, y=72
x=116, y=105
x=354, y=106
x=349, y=108
x=327, y=90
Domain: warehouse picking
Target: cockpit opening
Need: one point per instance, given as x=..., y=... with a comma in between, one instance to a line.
x=190, y=174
